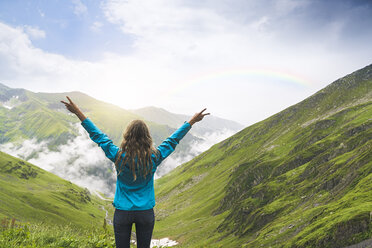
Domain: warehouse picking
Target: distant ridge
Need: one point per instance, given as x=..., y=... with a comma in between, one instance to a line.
x=42, y=116
x=208, y=125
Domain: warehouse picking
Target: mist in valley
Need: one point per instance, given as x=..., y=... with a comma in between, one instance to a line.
x=82, y=162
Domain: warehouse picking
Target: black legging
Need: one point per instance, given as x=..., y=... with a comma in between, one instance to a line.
x=123, y=221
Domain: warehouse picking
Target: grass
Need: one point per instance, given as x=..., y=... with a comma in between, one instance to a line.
x=40, y=235
x=14, y=234
x=39, y=209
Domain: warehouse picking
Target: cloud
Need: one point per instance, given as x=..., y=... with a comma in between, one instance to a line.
x=211, y=35
x=20, y=60
x=42, y=14
x=79, y=161
x=260, y=24
x=96, y=26
x=34, y=32
x=206, y=142
x=79, y=7
x=174, y=33
x=169, y=164
x=209, y=139
x=82, y=162
x=285, y=7
x=23, y=64
x=177, y=45
x=24, y=150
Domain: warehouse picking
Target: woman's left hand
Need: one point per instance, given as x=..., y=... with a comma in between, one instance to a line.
x=72, y=107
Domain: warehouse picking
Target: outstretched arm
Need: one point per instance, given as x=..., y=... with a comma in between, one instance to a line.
x=169, y=145
x=73, y=108
x=94, y=133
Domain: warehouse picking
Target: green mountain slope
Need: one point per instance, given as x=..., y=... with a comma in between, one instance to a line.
x=301, y=178
x=30, y=118
x=30, y=194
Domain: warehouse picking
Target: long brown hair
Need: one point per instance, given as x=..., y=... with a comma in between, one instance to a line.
x=137, y=145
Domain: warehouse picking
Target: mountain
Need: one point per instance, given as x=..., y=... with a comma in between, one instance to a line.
x=37, y=127
x=301, y=178
x=28, y=115
x=24, y=116
x=30, y=194
x=208, y=125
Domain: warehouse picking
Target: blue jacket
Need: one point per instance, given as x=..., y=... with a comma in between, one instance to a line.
x=138, y=194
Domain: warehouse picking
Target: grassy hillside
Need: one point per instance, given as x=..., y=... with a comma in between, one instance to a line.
x=301, y=178
x=30, y=118
x=30, y=194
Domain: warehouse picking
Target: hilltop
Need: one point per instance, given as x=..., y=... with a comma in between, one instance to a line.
x=208, y=125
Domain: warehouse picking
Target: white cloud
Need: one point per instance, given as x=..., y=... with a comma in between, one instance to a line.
x=79, y=7
x=193, y=39
x=187, y=54
x=82, y=162
x=284, y=7
x=261, y=23
x=79, y=160
x=206, y=142
x=202, y=40
x=173, y=33
x=96, y=26
x=209, y=139
x=34, y=32
x=42, y=14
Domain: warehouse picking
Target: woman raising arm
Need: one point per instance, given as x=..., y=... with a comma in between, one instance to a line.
x=136, y=161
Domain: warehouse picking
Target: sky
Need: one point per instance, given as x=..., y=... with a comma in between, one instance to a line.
x=244, y=60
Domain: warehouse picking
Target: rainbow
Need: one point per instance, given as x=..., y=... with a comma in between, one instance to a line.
x=282, y=77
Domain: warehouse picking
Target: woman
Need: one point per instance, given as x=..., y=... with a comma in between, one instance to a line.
x=136, y=161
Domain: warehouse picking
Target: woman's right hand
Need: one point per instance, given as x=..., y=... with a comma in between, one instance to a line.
x=198, y=117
